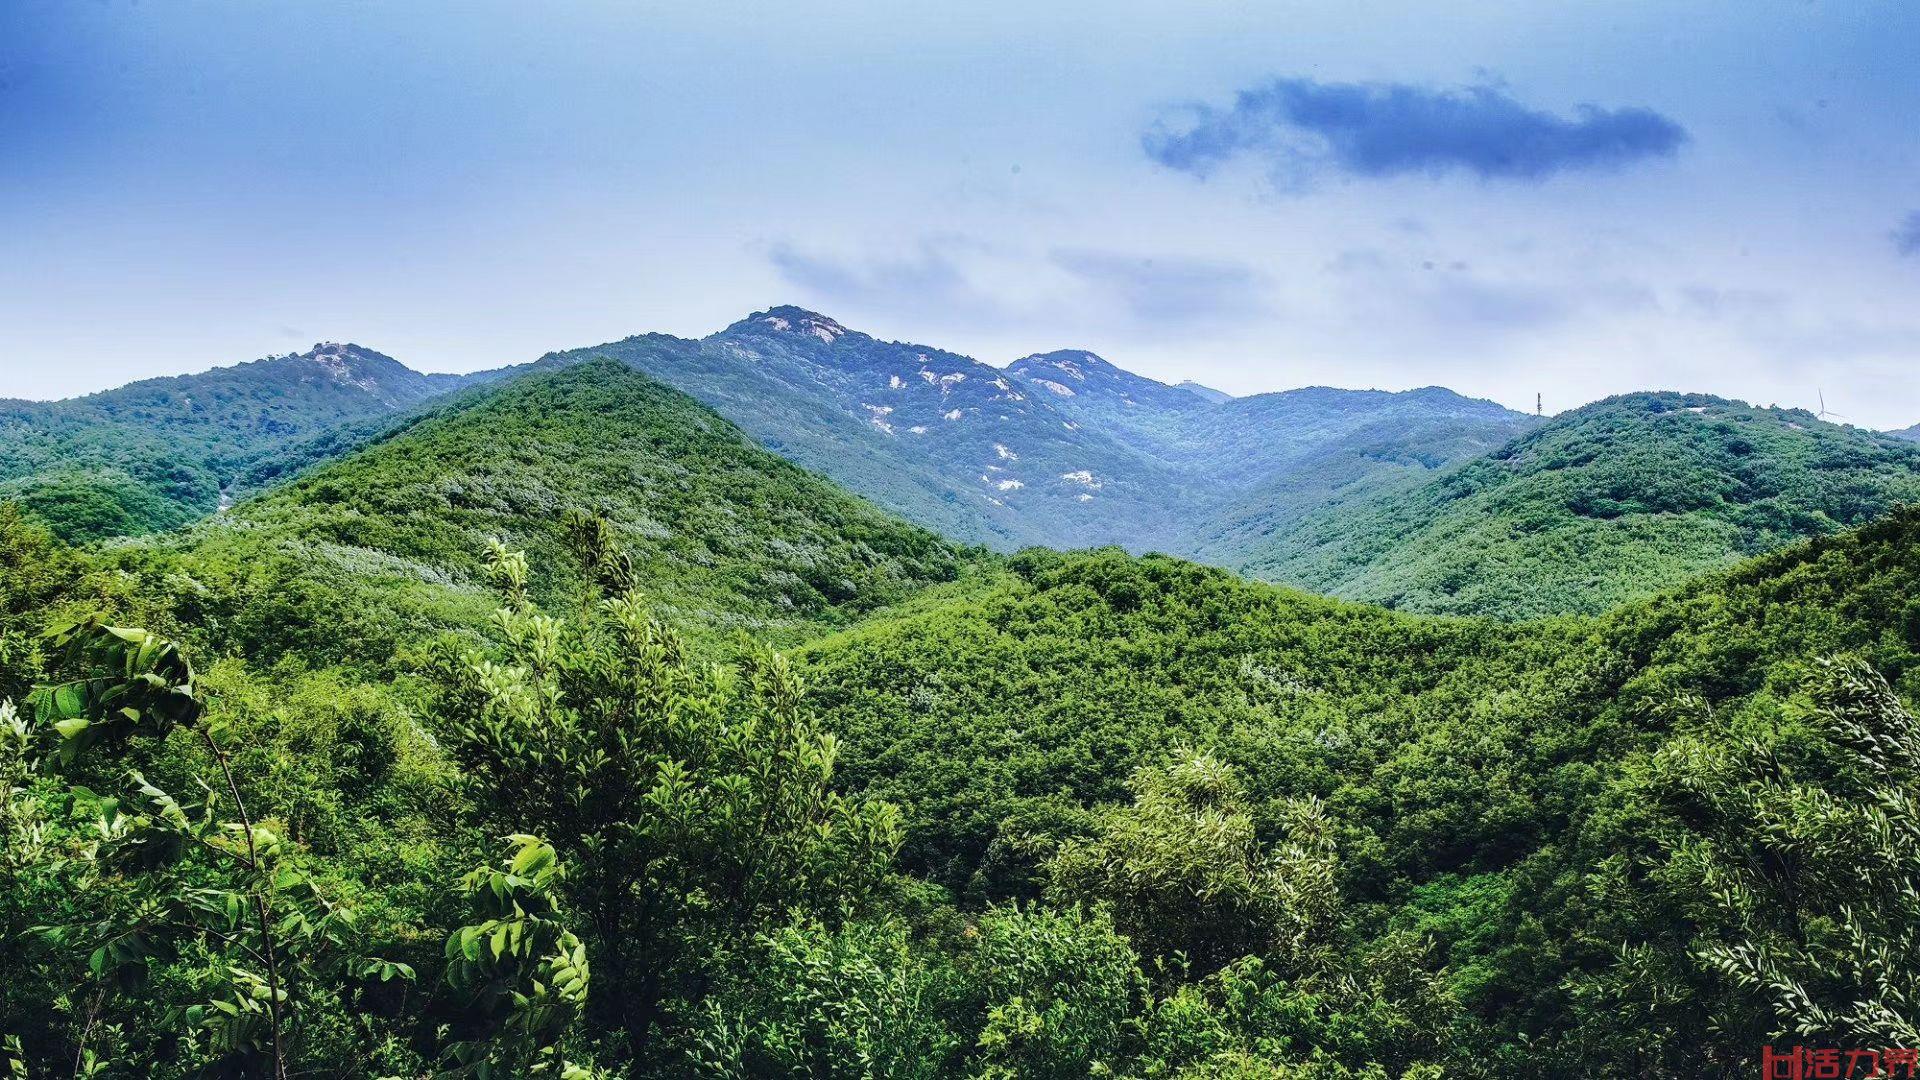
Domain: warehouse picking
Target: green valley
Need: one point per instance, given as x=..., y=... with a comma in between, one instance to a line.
x=460, y=750
x=875, y=541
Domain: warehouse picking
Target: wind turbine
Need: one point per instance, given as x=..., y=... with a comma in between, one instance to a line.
x=1823, y=413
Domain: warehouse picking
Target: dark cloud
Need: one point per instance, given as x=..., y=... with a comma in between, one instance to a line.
x=1168, y=290
x=1302, y=127
x=1906, y=235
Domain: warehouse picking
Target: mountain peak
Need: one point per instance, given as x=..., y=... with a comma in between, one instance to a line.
x=362, y=368
x=1203, y=391
x=1075, y=364
x=338, y=355
x=788, y=319
x=1089, y=377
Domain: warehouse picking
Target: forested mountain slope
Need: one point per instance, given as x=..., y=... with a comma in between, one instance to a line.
x=1062, y=449
x=1607, y=503
x=387, y=543
x=1517, y=793
x=1353, y=467
x=943, y=440
x=1153, y=820
x=156, y=454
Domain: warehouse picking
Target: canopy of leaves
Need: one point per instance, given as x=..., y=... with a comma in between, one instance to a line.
x=160, y=453
x=1611, y=502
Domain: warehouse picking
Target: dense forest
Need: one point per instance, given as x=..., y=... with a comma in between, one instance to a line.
x=1607, y=503
x=161, y=453
x=1421, y=500
x=561, y=729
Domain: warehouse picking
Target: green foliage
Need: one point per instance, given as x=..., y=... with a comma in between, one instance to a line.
x=132, y=682
x=696, y=801
x=1186, y=877
x=1056, y=988
x=158, y=454
x=194, y=928
x=859, y=999
x=1612, y=502
x=1778, y=903
x=41, y=580
x=24, y=833
x=1031, y=695
x=1478, y=777
x=388, y=545
x=524, y=974
x=1154, y=821
x=163, y=876
x=21, y=826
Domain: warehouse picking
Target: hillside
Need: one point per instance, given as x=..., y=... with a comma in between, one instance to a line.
x=724, y=536
x=156, y=454
x=1491, y=782
x=1610, y=502
x=943, y=440
x=1062, y=449
x=1152, y=819
x=1352, y=467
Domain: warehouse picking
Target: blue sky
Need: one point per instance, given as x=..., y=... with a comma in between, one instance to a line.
x=1571, y=199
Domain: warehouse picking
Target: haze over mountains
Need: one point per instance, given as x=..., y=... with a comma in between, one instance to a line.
x=1422, y=499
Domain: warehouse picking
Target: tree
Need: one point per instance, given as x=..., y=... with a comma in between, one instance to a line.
x=23, y=836
x=22, y=823
x=1798, y=852
x=863, y=999
x=1185, y=874
x=693, y=802
x=522, y=973
x=167, y=879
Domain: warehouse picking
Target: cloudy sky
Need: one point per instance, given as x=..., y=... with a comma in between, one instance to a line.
x=1574, y=200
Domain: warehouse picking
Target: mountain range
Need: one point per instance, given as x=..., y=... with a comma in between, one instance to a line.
x=1059, y=449
x=1423, y=499
x=158, y=453
x=1142, y=817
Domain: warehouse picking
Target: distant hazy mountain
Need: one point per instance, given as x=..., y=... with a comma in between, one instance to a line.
x=1610, y=502
x=157, y=453
x=1266, y=459
x=1062, y=448
x=1369, y=461
x=1206, y=393
x=1911, y=434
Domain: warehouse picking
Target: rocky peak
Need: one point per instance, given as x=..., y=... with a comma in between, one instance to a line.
x=787, y=319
